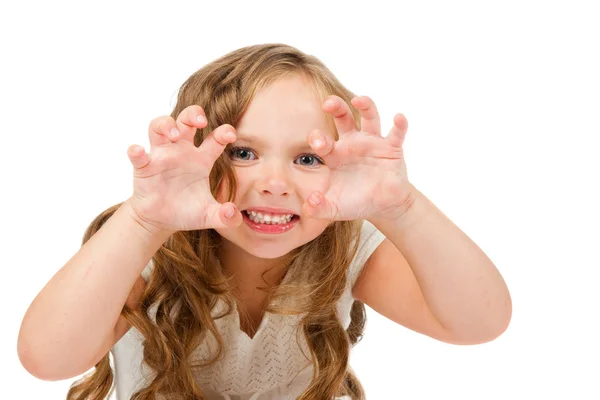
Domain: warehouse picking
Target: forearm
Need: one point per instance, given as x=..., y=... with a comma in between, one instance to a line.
x=77, y=310
x=460, y=284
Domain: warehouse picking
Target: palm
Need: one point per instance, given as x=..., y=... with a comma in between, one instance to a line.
x=178, y=177
x=362, y=182
x=171, y=184
x=368, y=170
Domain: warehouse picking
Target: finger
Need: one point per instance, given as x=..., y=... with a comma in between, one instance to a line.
x=342, y=116
x=215, y=143
x=369, y=116
x=224, y=215
x=189, y=120
x=324, y=146
x=397, y=134
x=138, y=156
x=161, y=130
x=317, y=206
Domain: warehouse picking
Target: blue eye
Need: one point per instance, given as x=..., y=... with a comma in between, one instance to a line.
x=246, y=154
x=241, y=153
x=305, y=160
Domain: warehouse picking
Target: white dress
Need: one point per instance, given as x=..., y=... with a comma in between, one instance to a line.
x=271, y=365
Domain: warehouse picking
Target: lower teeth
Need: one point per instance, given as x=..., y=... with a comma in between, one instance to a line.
x=271, y=223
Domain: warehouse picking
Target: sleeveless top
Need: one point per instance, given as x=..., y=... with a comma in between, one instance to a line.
x=274, y=364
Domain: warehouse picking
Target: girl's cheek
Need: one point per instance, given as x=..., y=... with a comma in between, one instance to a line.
x=220, y=192
x=316, y=182
x=221, y=196
x=222, y=188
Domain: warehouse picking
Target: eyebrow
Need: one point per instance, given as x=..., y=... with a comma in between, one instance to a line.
x=244, y=137
x=250, y=138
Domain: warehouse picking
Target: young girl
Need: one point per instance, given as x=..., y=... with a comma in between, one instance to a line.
x=269, y=210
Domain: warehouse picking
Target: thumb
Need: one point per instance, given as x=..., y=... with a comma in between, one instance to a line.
x=318, y=207
x=138, y=156
x=224, y=215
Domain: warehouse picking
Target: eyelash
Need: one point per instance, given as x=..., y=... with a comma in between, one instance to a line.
x=232, y=151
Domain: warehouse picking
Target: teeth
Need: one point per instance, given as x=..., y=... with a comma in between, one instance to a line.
x=269, y=219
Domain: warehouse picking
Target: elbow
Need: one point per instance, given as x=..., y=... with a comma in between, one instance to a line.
x=498, y=327
x=495, y=333
x=482, y=332
x=31, y=353
x=472, y=339
x=48, y=360
x=497, y=323
x=38, y=366
x=506, y=317
x=31, y=363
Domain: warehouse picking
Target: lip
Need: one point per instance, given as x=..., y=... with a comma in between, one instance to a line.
x=270, y=228
x=271, y=210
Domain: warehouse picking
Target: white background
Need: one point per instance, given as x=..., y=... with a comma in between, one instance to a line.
x=502, y=100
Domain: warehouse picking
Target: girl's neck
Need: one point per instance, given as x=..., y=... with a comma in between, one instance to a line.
x=248, y=269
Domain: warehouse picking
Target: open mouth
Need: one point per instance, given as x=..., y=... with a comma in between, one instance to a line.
x=269, y=223
x=270, y=219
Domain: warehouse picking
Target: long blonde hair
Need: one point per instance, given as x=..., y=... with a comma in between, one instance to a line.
x=187, y=272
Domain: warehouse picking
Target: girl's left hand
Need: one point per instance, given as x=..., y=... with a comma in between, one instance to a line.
x=368, y=172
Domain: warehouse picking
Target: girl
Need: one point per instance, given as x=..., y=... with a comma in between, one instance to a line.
x=269, y=210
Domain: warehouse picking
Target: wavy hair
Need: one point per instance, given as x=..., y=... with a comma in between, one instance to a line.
x=187, y=278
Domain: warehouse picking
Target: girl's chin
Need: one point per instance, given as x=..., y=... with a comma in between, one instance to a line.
x=267, y=253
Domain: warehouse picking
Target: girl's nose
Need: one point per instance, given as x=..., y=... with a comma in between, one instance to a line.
x=275, y=186
x=275, y=182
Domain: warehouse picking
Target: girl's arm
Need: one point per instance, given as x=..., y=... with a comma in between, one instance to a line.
x=72, y=321
x=431, y=277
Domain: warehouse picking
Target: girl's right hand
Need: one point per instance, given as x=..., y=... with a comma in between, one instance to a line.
x=171, y=190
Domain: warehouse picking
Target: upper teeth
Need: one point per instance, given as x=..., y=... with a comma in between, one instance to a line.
x=266, y=218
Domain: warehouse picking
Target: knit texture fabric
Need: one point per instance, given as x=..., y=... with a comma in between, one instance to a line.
x=274, y=364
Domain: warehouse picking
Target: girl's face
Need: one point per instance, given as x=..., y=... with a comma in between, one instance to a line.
x=276, y=168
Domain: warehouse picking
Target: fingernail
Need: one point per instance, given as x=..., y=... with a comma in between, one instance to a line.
x=330, y=103
x=173, y=132
x=201, y=119
x=317, y=143
x=314, y=199
x=230, y=136
x=230, y=213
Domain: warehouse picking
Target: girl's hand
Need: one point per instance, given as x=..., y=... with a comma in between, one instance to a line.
x=171, y=190
x=369, y=178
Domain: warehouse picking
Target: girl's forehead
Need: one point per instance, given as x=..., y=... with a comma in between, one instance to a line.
x=290, y=91
x=274, y=140
x=283, y=123
x=287, y=107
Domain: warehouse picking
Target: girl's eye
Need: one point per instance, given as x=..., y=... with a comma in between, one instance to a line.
x=242, y=153
x=246, y=154
x=308, y=160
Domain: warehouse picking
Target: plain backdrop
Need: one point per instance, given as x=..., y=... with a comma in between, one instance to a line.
x=502, y=101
